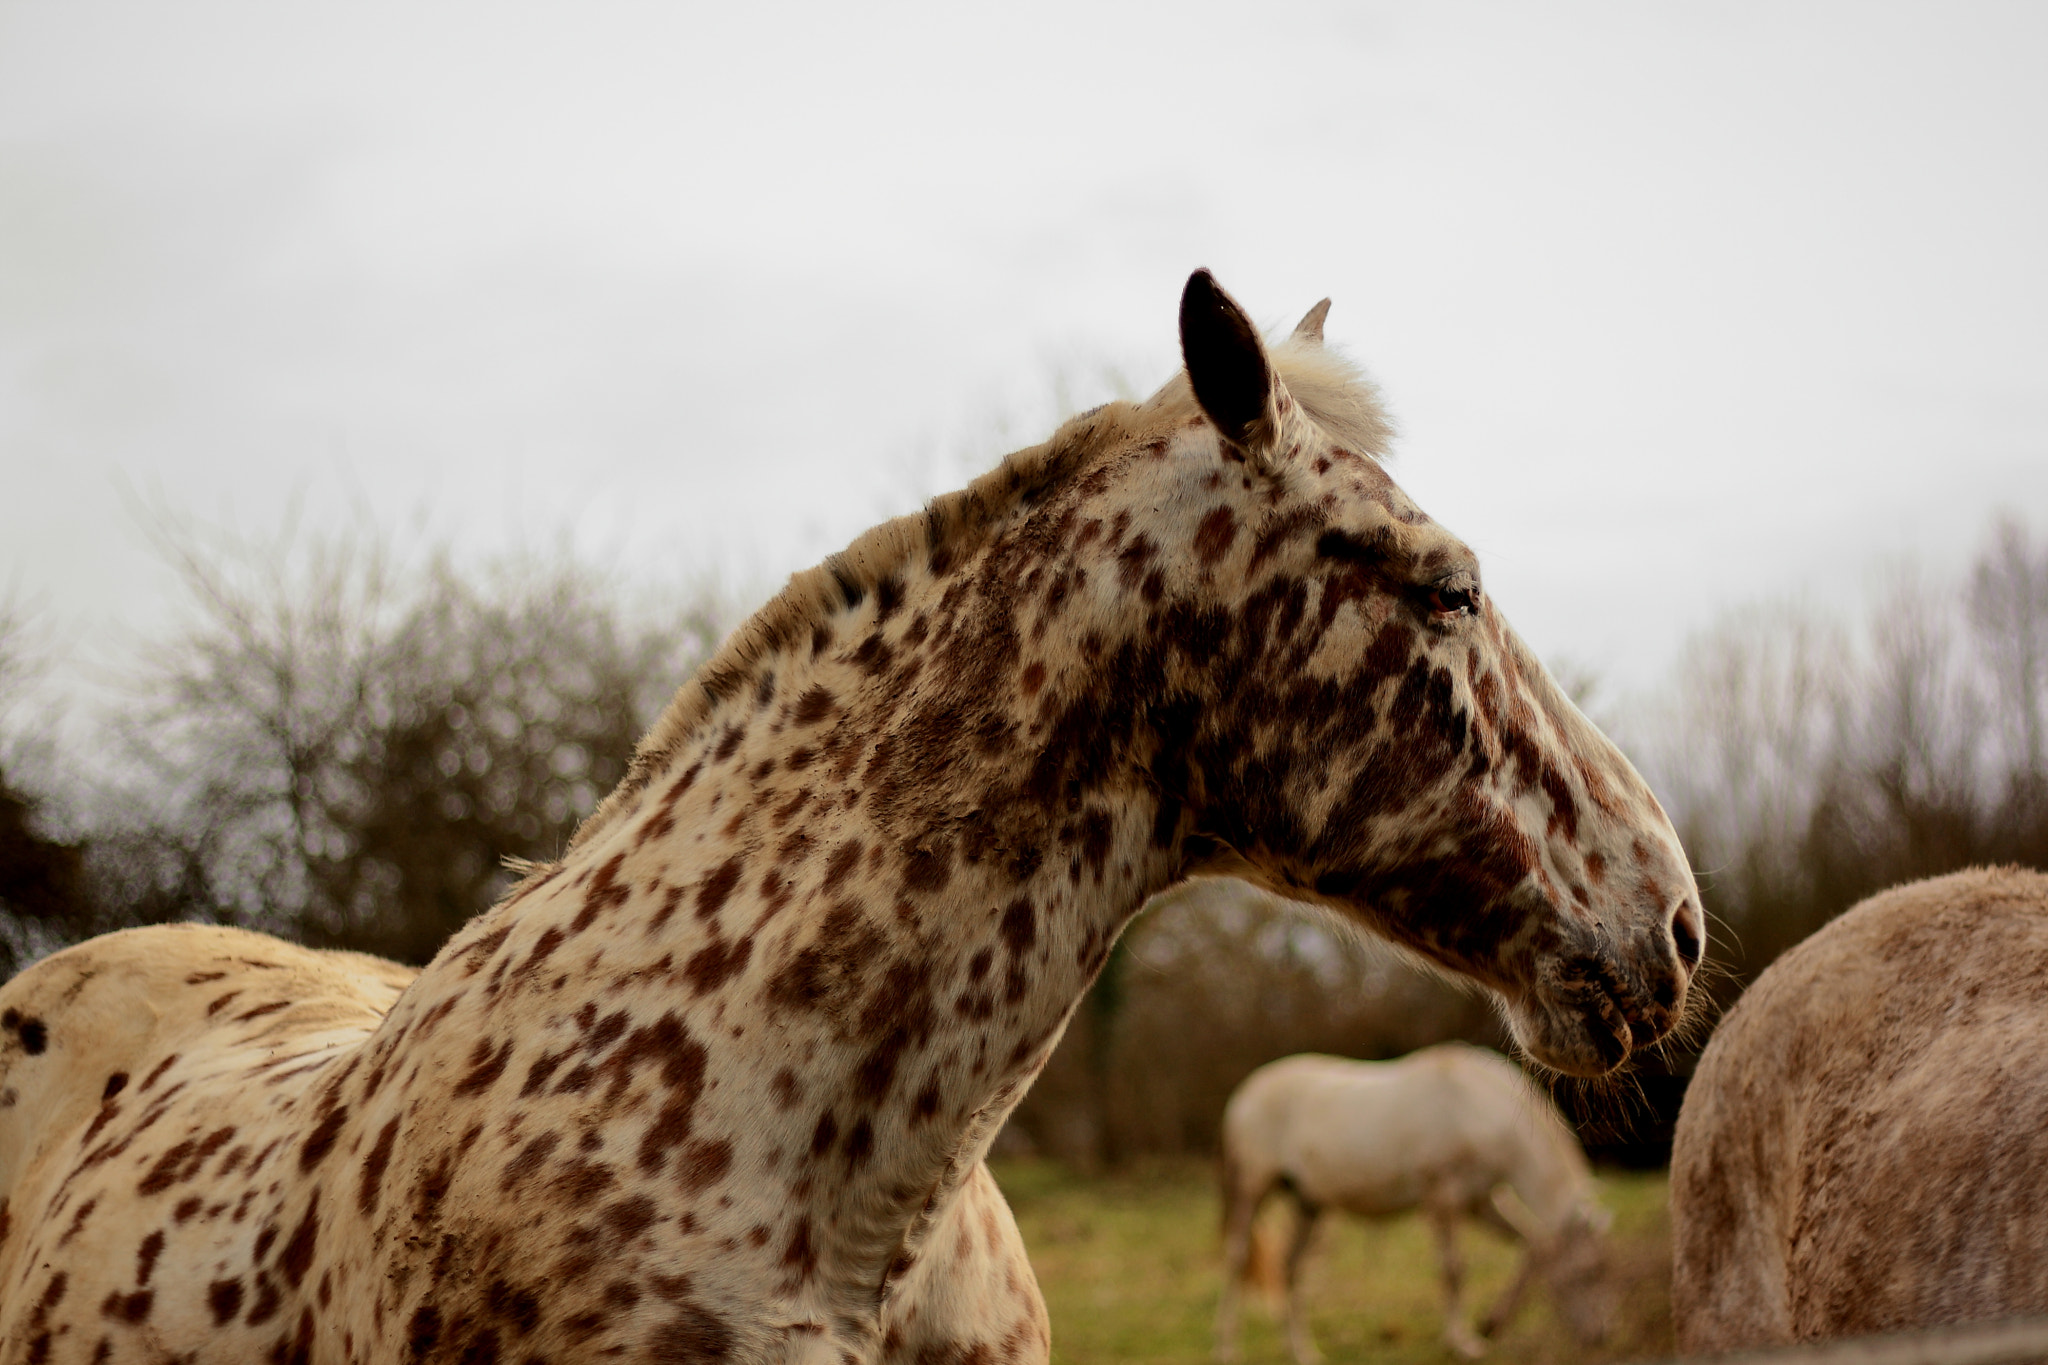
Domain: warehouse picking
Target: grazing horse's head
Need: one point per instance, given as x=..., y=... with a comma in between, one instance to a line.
x=1577, y=1268
x=1334, y=708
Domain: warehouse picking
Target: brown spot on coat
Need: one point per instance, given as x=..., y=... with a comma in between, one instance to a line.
x=156, y=1073
x=716, y=888
x=128, y=1307
x=373, y=1167
x=181, y=1161
x=703, y=1164
x=424, y=1331
x=520, y=1308
x=606, y=892
x=485, y=1066
x=224, y=1298
x=1020, y=926
x=579, y=1182
x=631, y=1217
x=297, y=1257
x=529, y=1160
x=321, y=1140
x=842, y=863
x=695, y=1334
x=716, y=963
x=813, y=706
x=1215, y=535
x=800, y=1255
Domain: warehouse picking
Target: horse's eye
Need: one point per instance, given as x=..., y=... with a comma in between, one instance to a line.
x=1447, y=602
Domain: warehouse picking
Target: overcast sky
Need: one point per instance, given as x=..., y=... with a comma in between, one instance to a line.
x=1676, y=306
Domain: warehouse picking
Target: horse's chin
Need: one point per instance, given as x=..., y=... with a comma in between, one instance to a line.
x=1585, y=1014
x=1581, y=1034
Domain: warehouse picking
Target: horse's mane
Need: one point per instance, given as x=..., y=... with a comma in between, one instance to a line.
x=1329, y=387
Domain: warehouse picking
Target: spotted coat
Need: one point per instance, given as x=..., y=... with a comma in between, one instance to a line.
x=718, y=1084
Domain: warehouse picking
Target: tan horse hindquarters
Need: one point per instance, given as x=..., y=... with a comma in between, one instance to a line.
x=1864, y=1147
x=90, y=1036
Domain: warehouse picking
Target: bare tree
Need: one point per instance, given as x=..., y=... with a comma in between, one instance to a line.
x=2008, y=605
x=1902, y=791
x=348, y=754
x=1807, y=767
x=44, y=890
x=1740, y=747
x=239, y=725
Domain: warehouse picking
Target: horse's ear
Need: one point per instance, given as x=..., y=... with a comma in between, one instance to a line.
x=1227, y=366
x=1310, y=328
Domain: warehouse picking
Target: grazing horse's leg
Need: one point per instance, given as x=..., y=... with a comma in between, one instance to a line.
x=1305, y=1352
x=1488, y=1211
x=1443, y=1215
x=1240, y=1213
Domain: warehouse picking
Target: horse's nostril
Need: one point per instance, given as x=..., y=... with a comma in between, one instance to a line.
x=1685, y=934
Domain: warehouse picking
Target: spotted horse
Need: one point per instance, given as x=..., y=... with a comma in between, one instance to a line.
x=717, y=1085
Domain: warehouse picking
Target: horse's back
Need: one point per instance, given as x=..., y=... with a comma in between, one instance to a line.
x=99, y=1036
x=1863, y=1147
x=1370, y=1136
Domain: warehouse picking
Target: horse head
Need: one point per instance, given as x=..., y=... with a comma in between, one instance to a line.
x=1338, y=711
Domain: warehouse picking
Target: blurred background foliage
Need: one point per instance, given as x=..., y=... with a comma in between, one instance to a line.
x=1810, y=760
x=337, y=747
x=343, y=746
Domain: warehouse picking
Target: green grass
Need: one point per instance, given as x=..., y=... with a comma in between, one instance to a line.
x=1131, y=1266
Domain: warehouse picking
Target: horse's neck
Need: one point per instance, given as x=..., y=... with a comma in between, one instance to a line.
x=874, y=931
x=1550, y=1179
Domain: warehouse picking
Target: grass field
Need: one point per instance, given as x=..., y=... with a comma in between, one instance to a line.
x=1131, y=1265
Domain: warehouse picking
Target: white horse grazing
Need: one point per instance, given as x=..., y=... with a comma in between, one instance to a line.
x=1864, y=1147
x=1450, y=1130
